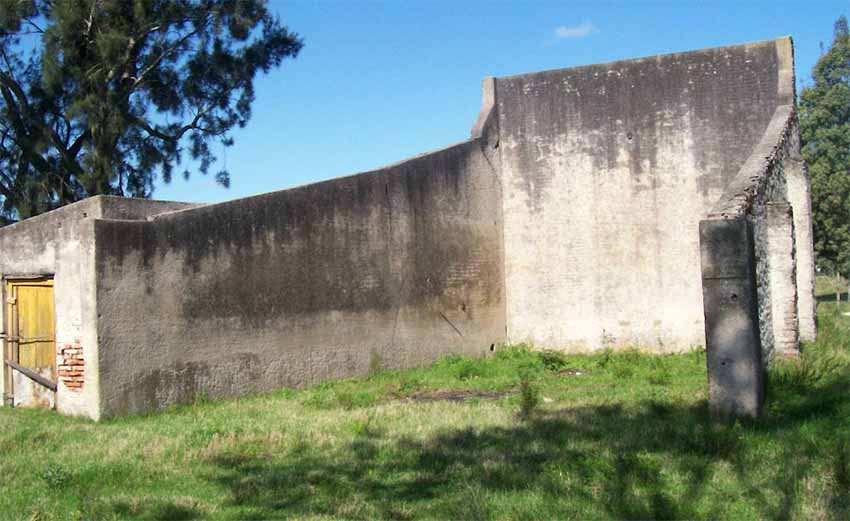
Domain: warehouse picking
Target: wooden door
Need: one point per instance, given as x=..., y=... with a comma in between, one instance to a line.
x=31, y=340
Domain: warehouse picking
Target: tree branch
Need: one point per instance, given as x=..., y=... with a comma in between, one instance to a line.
x=140, y=78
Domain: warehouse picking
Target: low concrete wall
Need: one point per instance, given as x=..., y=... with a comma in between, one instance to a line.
x=607, y=171
x=391, y=268
x=60, y=244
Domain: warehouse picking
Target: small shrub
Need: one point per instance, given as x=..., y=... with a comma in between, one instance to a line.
x=660, y=375
x=806, y=372
x=604, y=358
x=517, y=352
x=355, y=399
x=529, y=398
x=623, y=371
x=698, y=352
x=552, y=360
x=55, y=476
x=408, y=385
x=468, y=369
x=451, y=360
x=376, y=363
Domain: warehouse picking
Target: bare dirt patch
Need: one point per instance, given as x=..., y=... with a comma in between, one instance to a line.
x=454, y=395
x=572, y=371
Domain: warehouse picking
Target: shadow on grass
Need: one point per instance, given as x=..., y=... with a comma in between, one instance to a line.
x=830, y=297
x=155, y=511
x=653, y=460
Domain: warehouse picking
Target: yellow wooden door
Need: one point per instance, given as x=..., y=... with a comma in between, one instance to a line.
x=32, y=337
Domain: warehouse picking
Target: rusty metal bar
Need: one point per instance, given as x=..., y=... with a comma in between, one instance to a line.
x=32, y=375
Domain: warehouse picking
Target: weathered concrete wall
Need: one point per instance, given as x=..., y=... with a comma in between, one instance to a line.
x=607, y=171
x=59, y=244
x=393, y=267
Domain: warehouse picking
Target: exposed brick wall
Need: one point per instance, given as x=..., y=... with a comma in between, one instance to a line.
x=72, y=368
x=782, y=279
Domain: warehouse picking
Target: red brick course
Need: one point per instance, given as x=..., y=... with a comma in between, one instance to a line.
x=71, y=366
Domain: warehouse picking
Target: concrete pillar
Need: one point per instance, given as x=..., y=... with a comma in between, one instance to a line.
x=782, y=279
x=730, y=304
x=799, y=195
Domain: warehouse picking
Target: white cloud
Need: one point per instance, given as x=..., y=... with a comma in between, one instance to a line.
x=575, y=31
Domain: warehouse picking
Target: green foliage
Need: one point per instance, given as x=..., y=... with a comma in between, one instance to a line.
x=529, y=398
x=825, y=132
x=106, y=96
x=376, y=362
x=659, y=375
x=553, y=360
x=55, y=476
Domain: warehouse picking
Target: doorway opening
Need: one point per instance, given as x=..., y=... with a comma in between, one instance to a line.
x=29, y=347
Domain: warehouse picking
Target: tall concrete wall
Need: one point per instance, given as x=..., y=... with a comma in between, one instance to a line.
x=607, y=171
x=60, y=244
x=393, y=268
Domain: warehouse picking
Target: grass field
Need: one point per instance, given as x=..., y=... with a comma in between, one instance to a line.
x=520, y=435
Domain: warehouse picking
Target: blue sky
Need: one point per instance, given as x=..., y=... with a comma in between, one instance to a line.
x=378, y=82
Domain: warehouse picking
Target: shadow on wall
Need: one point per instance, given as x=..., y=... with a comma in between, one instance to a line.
x=602, y=459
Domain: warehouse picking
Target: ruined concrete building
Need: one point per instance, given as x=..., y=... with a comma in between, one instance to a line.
x=659, y=202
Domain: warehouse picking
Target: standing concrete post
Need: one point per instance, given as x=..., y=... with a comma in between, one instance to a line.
x=782, y=280
x=733, y=344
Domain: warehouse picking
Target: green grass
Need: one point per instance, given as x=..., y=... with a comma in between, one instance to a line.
x=826, y=286
x=627, y=438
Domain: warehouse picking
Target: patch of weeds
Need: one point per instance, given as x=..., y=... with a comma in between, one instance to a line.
x=39, y=513
x=723, y=440
x=801, y=374
x=286, y=394
x=473, y=506
x=408, y=385
x=605, y=358
x=660, y=374
x=529, y=398
x=55, y=476
x=366, y=428
x=623, y=371
x=552, y=360
x=468, y=369
x=513, y=352
x=376, y=363
x=698, y=354
x=202, y=399
x=355, y=399
x=203, y=436
x=450, y=360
